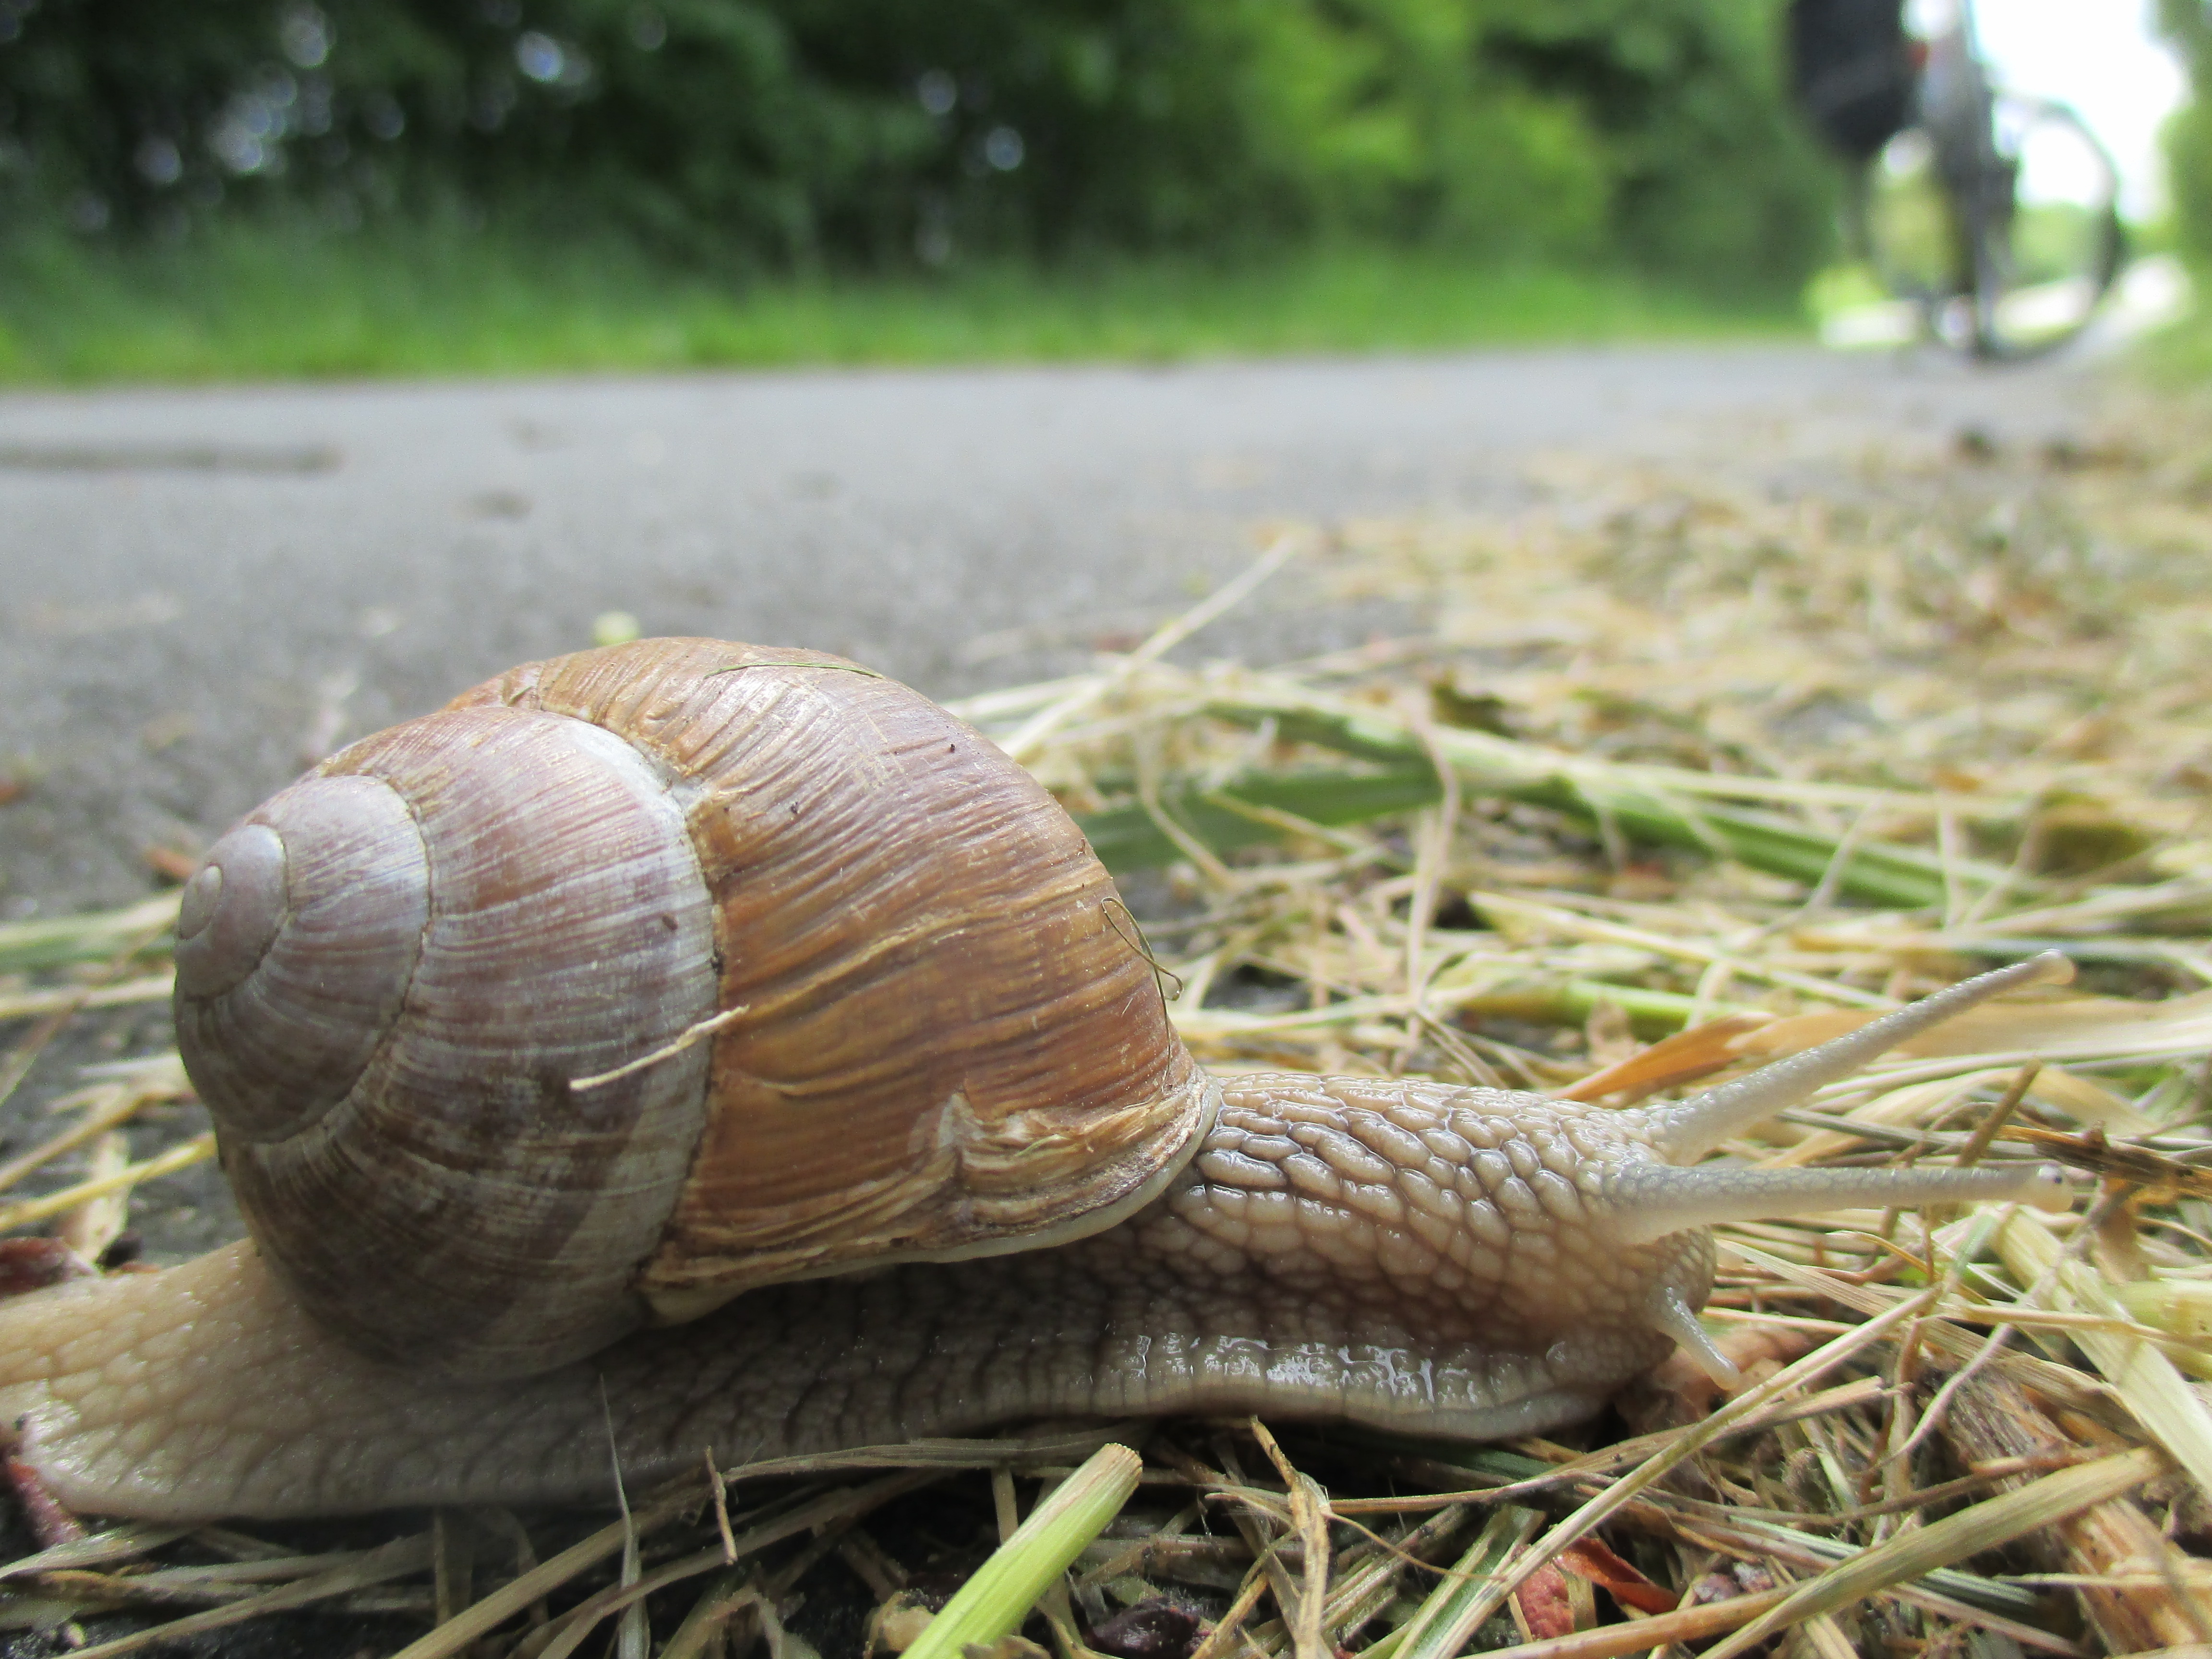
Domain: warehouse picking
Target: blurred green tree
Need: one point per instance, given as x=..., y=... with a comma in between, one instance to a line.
x=2188, y=135
x=791, y=132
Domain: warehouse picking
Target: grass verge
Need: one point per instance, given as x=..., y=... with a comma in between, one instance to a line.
x=2177, y=358
x=273, y=300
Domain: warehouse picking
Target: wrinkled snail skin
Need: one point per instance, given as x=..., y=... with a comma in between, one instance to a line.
x=1407, y=1255
x=1403, y=1255
x=956, y=1171
x=1284, y=1274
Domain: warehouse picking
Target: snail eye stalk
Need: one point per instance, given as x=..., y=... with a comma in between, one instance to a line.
x=1684, y=1131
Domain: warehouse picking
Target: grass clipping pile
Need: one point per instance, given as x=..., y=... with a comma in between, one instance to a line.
x=1677, y=780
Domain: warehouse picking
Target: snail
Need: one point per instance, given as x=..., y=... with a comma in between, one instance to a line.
x=719, y=1048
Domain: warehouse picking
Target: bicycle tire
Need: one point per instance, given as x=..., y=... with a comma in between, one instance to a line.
x=2006, y=291
x=1910, y=220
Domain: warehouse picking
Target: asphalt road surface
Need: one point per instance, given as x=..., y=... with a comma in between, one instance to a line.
x=202, y=590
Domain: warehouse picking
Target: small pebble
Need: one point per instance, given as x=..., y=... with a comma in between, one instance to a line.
x=1151, y=1630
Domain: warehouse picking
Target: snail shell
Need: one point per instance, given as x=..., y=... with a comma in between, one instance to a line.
x=403, y=984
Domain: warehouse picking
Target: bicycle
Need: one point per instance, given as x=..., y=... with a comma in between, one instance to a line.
x=1995, y=215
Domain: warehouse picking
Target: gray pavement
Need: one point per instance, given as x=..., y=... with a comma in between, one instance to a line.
x=201, y=591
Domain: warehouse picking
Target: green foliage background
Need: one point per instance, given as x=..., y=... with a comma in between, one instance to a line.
x=863, y=135
x=2188, y=25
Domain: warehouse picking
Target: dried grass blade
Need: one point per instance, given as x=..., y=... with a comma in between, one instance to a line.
x=2065, y=1385
x=1818, y=1362
x=24, y=1005
x=623, y=1598
x=1024, y=743
x=1646, y=1635
x=1365, y=1587
x=1576, y=925
x=105, y=1107
x=984, y=706
x=1985, y=1526
x=90, y=1227
x=631, y=1633
x=1964, y=1593
x=1029, y=1451
x=198, y=1150
x=2139, y=1588
x=2153, y=1387
x=559, y=1639
x=102, y=1548
x=717, y=1605
x=1597, y=1465
x=222, y=1581
x=1309, y=1519
x=1248, y=1597
x=394, y=1560
x=94, y=936
x=455, y=1635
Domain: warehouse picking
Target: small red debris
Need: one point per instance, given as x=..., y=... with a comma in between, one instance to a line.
x=1544, y=1605
x=169, y=864
x=32, y=1264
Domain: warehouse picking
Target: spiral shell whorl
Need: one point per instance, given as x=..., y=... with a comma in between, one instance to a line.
x=430, y=1183
x=295, y=944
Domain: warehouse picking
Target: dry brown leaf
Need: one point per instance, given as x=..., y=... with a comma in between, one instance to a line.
x=1672, y=1061
x=1587, y=1557
x=2059, y=1028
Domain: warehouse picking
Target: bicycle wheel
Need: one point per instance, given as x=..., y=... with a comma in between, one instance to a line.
x=2005, y=249
x=2043, y=232
x=1910, y=231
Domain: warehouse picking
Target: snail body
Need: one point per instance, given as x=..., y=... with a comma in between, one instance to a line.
x=728, y=1048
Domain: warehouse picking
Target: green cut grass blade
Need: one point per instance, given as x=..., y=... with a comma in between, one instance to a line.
x=1458, y=1607
x=995, y=1601
x=1877, y=873
x=1543, y=1001
x=1127, y=837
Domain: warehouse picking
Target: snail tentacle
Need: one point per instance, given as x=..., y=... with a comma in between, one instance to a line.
x=1669, y=1310
x=1686, y=1131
